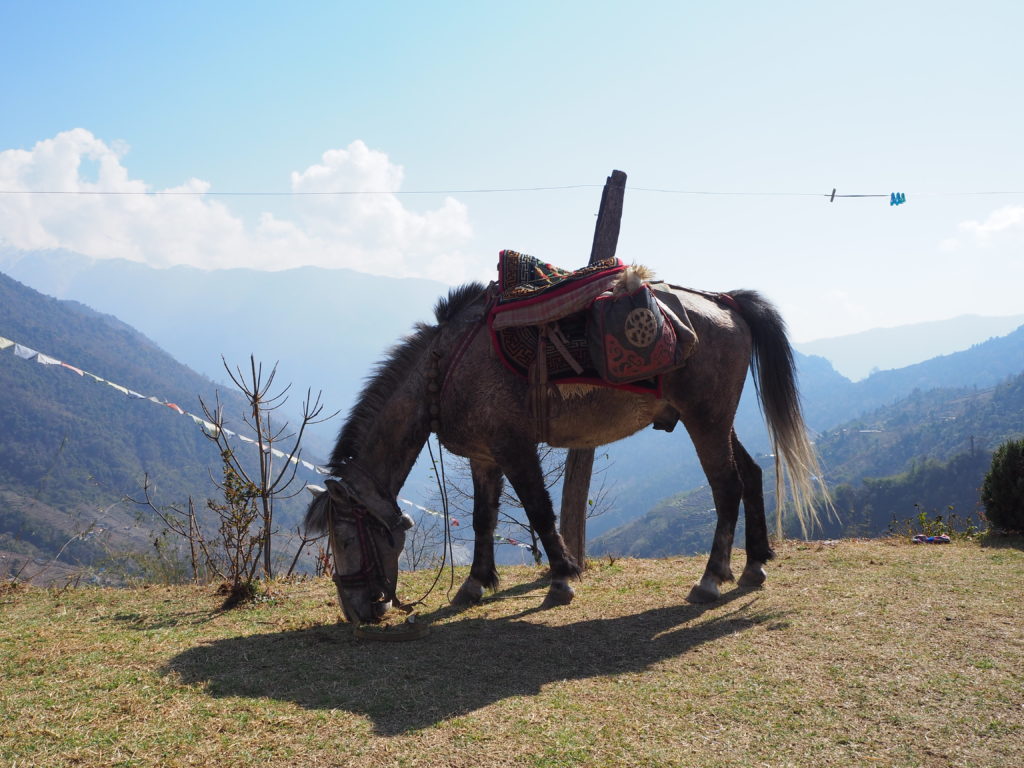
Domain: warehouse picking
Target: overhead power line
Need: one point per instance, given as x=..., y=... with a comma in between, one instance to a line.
x=833, y=195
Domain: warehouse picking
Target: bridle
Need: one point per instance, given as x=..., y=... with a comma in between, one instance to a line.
x=371, y=573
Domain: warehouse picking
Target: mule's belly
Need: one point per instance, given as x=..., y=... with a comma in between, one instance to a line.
x=598, y=417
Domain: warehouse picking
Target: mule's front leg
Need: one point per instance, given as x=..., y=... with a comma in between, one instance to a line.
x=483, y=574
x=521, y=465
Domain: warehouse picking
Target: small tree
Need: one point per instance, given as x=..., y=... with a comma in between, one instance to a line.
x=240, y=537
x=245, y=512
x=1002, y=493
x=270, y=482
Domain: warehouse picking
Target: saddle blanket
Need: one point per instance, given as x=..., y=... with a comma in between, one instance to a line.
x=532, y=292
x=544, y=319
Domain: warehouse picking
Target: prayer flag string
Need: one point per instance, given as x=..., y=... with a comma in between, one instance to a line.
x=27, y=353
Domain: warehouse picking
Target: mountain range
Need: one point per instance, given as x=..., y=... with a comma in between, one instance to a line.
x=925, y=453
x=859, y=355
x=327, y=328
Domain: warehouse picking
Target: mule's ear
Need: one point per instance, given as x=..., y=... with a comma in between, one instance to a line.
x=316, y=490
x=407, y=522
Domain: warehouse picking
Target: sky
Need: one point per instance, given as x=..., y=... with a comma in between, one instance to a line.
x=733, y=121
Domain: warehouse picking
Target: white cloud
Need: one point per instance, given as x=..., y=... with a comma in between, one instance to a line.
x=1008, y=218
x=370, y=232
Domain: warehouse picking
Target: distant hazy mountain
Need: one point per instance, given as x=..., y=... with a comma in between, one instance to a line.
x=326, y=328
x=983, y=365
x=880, y=349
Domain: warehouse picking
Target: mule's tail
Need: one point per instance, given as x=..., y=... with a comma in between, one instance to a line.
x=796, y=462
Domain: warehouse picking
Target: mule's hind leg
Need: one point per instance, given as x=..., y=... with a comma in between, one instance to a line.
x=759, y=551
x=487, y=482
x=517, y=456
x=713, y=446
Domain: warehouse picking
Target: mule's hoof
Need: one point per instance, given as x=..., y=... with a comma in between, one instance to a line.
x=753, y=576
x=470, y=593
x=705, y=592
x=559, y=593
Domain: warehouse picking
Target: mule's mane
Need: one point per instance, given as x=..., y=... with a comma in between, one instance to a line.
x=391, y=372
x=457, y=299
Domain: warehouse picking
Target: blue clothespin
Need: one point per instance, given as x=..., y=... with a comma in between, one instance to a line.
x=897, y=198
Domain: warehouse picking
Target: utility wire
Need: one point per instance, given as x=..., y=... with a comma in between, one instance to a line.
x=292, y=193
x=499, y=190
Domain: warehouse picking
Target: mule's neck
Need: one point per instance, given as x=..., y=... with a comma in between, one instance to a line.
x=392, y=440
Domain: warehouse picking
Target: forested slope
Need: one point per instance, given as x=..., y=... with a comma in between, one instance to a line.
x=72, y=448
x=927, y=452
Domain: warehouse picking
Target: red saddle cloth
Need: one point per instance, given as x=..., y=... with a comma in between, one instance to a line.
x=543, y=317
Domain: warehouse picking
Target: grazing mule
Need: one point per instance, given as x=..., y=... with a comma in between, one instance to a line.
x=448, y=379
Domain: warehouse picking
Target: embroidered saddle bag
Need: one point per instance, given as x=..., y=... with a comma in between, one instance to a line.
x=633, y=336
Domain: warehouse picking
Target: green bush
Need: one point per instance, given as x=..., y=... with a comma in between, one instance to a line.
x=1002, y=493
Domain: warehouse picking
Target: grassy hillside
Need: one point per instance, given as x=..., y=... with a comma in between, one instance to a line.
x=858, y=653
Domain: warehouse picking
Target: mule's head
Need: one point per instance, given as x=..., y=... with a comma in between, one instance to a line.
x=366, y=532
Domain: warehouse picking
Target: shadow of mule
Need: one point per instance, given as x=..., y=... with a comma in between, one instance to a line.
x=475, y=662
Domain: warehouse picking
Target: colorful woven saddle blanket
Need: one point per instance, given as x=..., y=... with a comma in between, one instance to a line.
x=544, y=327
x=532, y=292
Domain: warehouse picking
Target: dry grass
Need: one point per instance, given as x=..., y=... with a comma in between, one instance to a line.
x=857, y=654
